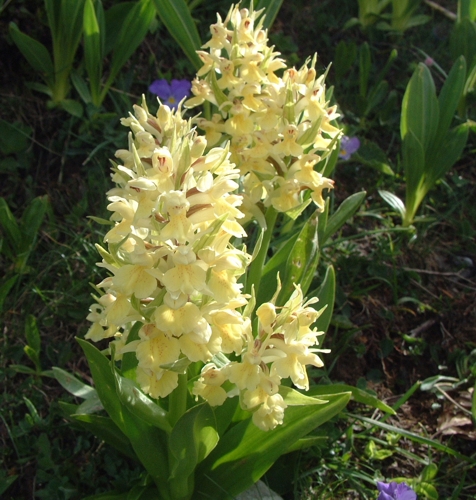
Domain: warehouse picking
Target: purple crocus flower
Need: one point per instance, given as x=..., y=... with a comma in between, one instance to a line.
x=170, y=93
x=348, y=146
x=395, y=491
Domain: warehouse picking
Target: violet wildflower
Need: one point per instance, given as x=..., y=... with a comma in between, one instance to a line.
x=348, y=146
x=171, y=93
x=395, y=491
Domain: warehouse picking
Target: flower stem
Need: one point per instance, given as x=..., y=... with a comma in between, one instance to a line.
x=178, y=400
x=256, y=267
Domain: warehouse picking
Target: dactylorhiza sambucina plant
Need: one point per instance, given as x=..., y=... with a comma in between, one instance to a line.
x=279, y=128
x=174, y=269
x=193, y=372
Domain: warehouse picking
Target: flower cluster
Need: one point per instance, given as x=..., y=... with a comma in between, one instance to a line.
x=276, y=125
x=172, y=266
x=174, y=269
x=176, y=215
x=281, y=349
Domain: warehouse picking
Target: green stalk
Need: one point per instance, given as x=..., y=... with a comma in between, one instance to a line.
x=178, y=400
x=256, y=267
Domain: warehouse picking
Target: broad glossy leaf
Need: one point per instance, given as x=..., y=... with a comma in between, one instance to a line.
x=35, y=53
x=148, y=443
x=193, y=438
x=345, y=211
x=245, y=452
x=176, y=17
x=104, y=382
x=141, y=405
x=73, y=385
x=420, y=108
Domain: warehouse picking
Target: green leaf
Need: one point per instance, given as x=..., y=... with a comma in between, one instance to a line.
x=31, y=221
x=429, y=472
x=449, y=152
x=6, y=482
x=23, y=369
x=10, y=226
x=463, y=41
x=140, y=405
x=394, y=201
x=34, y=52
x=245, y=452
x=93, y=47
x=14, y=137
x=72, y=107
x=91, y=405
x=326, y=295
x=32, y=333
x=413, y=159
x=271, y=11
x=132, y=33
x=73, y=385
x=129, y=359
x=276, y=265
x=147, y=441
x=176, y=17
x=295, y=398
x=345, y=211
x=357, y=395
x=83, y=90
x=5, y=289
x=420, y=108
x=104, y=382
x=193, y=438
x=449, y=98
x=113, y=17
x=302, y=261
x=34, y=357
x=104, y=428
x=365, y=63
x=427, y=490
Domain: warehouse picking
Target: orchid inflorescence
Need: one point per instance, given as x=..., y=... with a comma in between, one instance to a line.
x=178, y=210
